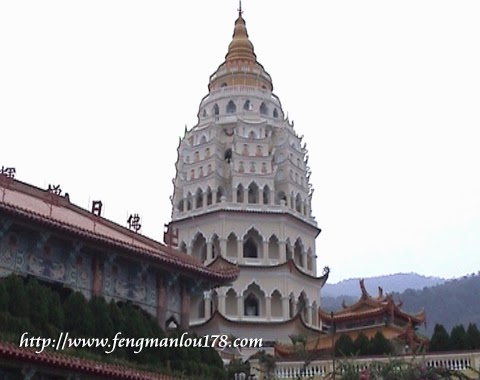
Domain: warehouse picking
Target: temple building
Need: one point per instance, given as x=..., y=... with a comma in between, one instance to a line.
x=242, y=197
x=368, y=316
x=44, y=235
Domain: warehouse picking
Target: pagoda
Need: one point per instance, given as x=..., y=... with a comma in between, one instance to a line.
x=242, y=197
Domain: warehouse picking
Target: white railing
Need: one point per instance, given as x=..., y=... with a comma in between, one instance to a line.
x=467, y=362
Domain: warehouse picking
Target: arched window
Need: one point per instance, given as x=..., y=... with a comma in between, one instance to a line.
x=223, y=85
x=240, y=192
x=247, y=106
x=216, y=109
x=253, y=193
x=231, y=303
x=199, y=198
x=263, y=109
x=275, y=113
x=209, y=197
x=298, y=203
x=231, y=107
x=199, y=248
x=220, y=194
x=251, y=306
x=250, y=249
x=266, y=195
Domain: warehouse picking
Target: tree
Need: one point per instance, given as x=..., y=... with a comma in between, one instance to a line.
x=38, y=303
x=473, y=337
x=17, y=296
x=3, y=297
x=379, y=345
x=362, y=344
x=344, y=346
x=103, y=321
x=458, y=338
x=440, y=339
x=78, y=317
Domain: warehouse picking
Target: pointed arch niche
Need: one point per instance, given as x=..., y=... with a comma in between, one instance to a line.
x=276, y=305
x=232, y=246
x=253, y=301
x=231, y=305
x=199, y=247
x=252, y=244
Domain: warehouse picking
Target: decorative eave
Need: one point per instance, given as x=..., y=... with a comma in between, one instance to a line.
x=221, y=262
x=54, y=361
x=297, y=319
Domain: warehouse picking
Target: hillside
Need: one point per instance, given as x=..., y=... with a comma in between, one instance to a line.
x=390, y=283
x=450, y=303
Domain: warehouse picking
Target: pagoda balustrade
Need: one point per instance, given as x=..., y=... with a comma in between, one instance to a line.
x=468, y=362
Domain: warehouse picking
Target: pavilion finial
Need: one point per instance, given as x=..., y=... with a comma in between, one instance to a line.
x=240, y=8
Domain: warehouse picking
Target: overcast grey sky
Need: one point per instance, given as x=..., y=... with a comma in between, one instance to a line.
x=95, y=94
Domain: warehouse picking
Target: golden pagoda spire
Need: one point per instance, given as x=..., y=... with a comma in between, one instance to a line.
x=240, y=66
x=240, y=48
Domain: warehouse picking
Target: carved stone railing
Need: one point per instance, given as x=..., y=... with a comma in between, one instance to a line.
x=468, y=362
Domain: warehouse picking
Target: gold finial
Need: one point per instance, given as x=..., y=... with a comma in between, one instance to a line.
x=240, y=12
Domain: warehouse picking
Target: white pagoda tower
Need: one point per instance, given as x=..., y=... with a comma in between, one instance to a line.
x=242, y=197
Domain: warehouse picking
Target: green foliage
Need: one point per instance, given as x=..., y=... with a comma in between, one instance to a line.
x=3, y=297
x=78, y=317
x=103, y=321
x=38, y=303
x=362, y=344
x=379, y=345
x=17, y=296
x=39, y=311
x=473, y=337
x=344, y=346
x=56, y=315
x=440, y=340
x=458, y=338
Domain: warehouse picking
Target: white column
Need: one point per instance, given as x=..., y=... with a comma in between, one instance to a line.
x=221, y=303
x=240, y=306
x=285, y=308
x=223, y=247
x=309, y=315
x=268, y=307
x=282, y=249
x=239, y=250
x=265, y=251
x=209, y=251
x=208, y=306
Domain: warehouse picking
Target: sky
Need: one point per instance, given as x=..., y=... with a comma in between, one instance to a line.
x=94, y=96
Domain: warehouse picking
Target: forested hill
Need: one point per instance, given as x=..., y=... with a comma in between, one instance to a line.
x=452, y=303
